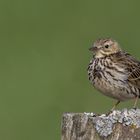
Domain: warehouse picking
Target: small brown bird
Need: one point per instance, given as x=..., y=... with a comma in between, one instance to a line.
x=114, y=72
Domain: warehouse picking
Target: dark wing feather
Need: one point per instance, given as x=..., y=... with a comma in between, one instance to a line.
x=135, y=74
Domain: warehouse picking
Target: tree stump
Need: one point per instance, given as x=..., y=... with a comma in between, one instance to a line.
x=117, y=125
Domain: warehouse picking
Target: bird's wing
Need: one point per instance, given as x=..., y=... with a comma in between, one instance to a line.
x=135, y=74
x=134, y=77
x=134, y=71
x=131, y=66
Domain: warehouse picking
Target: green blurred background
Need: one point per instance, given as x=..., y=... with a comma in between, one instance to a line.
x=43, y=60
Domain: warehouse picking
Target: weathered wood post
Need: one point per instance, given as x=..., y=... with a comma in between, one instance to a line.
x=118, y=125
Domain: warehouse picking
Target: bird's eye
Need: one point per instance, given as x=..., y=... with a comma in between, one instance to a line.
x=107, y=46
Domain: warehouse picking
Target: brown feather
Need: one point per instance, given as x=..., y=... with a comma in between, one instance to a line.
x=132, y=67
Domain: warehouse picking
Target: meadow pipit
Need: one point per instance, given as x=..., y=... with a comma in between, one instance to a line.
x=114, y=72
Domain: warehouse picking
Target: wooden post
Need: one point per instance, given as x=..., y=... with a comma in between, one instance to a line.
x=118, y=125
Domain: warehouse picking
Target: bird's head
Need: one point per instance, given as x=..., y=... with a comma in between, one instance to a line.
x=105, y=47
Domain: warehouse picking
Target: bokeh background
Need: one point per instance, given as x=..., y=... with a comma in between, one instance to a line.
x=43, y=60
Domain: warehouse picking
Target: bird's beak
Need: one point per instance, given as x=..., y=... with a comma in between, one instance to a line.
x=93, y=49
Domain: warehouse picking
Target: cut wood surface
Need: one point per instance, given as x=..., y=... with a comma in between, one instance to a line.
x=118, y=125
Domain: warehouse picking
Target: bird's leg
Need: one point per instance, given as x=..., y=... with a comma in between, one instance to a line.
x=115, y=105
x=135, y=103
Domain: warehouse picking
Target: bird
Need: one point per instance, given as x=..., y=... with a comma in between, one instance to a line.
x=114, y=72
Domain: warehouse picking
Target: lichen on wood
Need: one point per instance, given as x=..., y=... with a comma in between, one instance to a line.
x=117, y=125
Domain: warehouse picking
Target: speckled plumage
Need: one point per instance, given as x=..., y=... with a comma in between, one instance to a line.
x=114, y=72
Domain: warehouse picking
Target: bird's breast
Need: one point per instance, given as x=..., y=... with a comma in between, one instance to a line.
x=108, y=77
x=108, y=71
